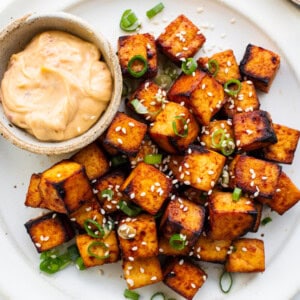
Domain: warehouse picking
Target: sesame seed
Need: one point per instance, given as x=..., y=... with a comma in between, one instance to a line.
x=209, y=94
x=193, y=285
x=248, y=131
x=134, y=248
x=232, y=21
x=131, y=124
x=130, y=258
x=120, y=141
x=153, y=278
x=278, y=190
x=210, y=172
x=181, y=262
x=143, y=194
x=38, y=245
x=124, y=130
x=118, y=128
x=218, y=248
x=132, y=195
x=244, y=249
x=130, y=281
x=203, y=86
x=204, y=277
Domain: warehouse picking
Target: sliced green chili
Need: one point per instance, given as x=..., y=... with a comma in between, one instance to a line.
x=98, y=244
x=217, y=138
x=227, y=147
x=88, y=223
x=163, y=80
x=177, y=241
x=232, y=91
x=189, y=66
x=134, y=60
x=185, y=126
x=158, y=296
x=107, y=194
x=213, y=67
x=129, y=209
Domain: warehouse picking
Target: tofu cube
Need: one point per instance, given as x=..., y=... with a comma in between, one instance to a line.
x=180, y=40
x=142, y=272
x=184, y=277
x=248, y=255
x=142, y=240
x=211, y=250
x=98, y=251
x=49, y=231
x=260, y=65
x=64, y=187
x=254, y=176
x=33, y=196
x=183, y=217
x=125, y=134
x=93, y=159
x=165, y=248
x=174, y=128
x=228, y=67
x=245, y=101
x=147, y=187
x=230, y=219
x=110, y=150
x=253, y=130
x=143, y=45
x=286, y=196
x=199, y=167
x=283, y=151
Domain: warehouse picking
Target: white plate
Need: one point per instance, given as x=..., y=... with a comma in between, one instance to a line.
x=224, y=28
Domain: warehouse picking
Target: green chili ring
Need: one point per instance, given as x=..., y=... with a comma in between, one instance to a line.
x=95, y=244
x=132, y=61
x=90, y=232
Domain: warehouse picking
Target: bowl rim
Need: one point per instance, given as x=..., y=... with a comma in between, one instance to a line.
x=15, y=134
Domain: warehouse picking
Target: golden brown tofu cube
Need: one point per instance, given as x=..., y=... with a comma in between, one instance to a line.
x=287, y=195
x=125, y=134
x=183, y=217
x=260, y=65
x=33, y=197
x=245, y=101
x=254, y=176
x=199, y=167
x=152, y=99
x=143, y=45
x=110, y=150
x=283, y=151
x=93, y=159
x=138, y=237
x=165, y=248
x=49, y=231
x=98, y=251
x=142, y=272
x=253, y=130
x=228, y=67
x=64, y=187
x=210, y=136
x=147, y=187
x=211, y=250
x=229, y=219
x=174, y=128
x=111, y=181
x=248, y=255
x=184, y=277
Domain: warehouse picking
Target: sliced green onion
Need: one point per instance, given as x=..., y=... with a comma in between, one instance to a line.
x=213, y=67
x=177, y=241
x=185, y=126
x=236, y=195
x=50, y=265
x=153, y=159
x=118, y=160
x=230, y=90
x=189, y=66
x=131, y=295
x=134, y=60
x=155, y=10
x=96, y=234
x=266, y=220
x=107, y=194
x=163, y=80
x=79, y=263
x=158, y=296
x=50, y=253
x=73, y=252
x=225, y=282
x=129, y=21
x=98, y=244
x=217, y=138
x=227, y=147
x=139, y=107
x=129, y=209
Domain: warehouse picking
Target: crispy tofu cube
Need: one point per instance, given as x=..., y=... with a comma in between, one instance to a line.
x=199, y=167
x=33, y=196
x=283, y=151
x=260, y=65
x=287, y=195
x=151, y=96
x=98, y=251
x=64, y=187
x=253, y=130
x=174, y=128
x=125, y=134
x=230, y=219
x=209, y=132
x=111, y=181
x=183, y=217
x=254, y=176
x=245, y=101
x=147, y=187
x=184, y=277
x=142, y=272
x=181, y=39
x=211, y=250
x=143, y=242
x=93, y=159
x=49, y=231
x=248, y=255
x=165, y=248
x=228, y=66
x=110, y=150
x=138, y=44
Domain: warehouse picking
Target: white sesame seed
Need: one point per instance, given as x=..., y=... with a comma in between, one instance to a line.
x=38, y=245
x=143, y=194
x=134, y=248
x=132, y=195
x=210, y=172
x=130, y=281
x=153, y=278
x=193, y=285
x=120, y=141
x=130, y=258
x=218, y=248
x=244, y=249
x=278, y=190
x=181, y=262
x=131, y=124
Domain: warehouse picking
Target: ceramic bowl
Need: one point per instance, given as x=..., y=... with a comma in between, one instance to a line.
x=16, y=36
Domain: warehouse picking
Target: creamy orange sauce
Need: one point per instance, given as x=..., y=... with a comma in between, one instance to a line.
x=57, y=87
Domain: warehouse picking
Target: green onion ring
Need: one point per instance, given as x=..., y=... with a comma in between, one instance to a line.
x=189, y=66
x=158, y=296
x=225, y=276
x=215, y=135
x=96, y=244
x=177, y=241
x=231, y=91
x=90, y=232
x=213, y=67
x=134, y=59
x=227, y=147
x=185, y=126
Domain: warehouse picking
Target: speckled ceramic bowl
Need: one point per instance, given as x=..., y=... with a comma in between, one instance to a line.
x=16, y=36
